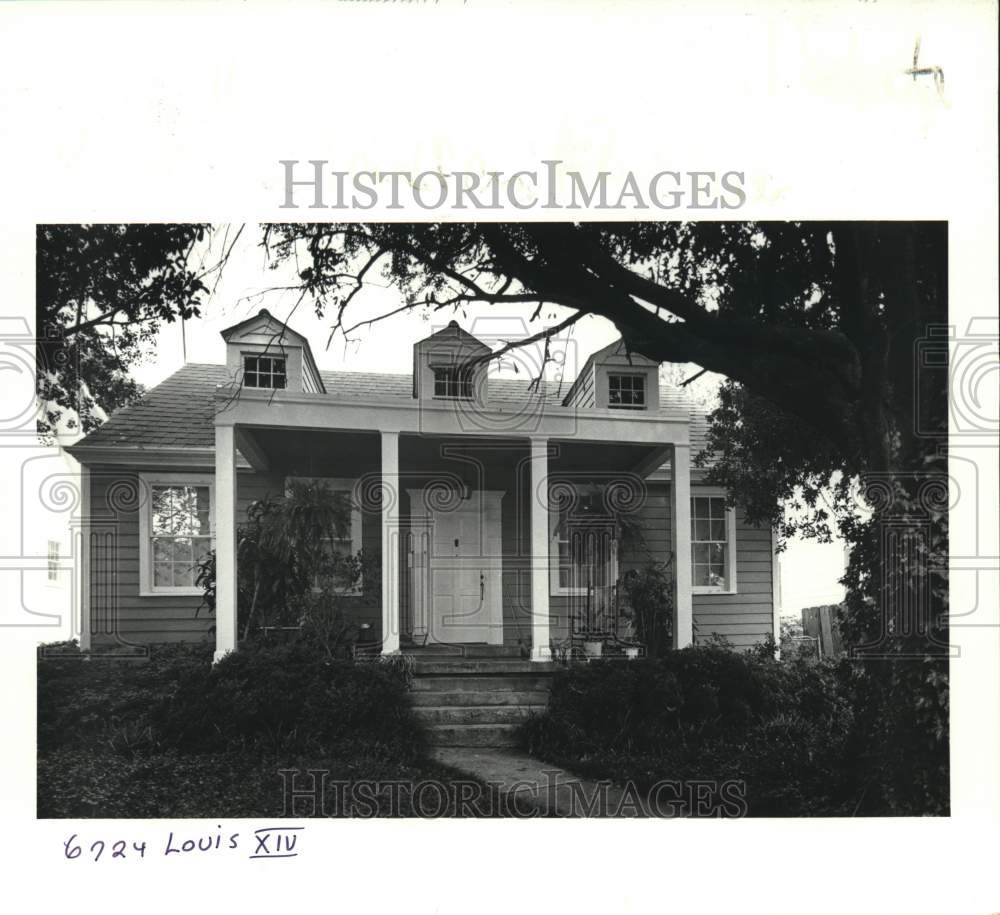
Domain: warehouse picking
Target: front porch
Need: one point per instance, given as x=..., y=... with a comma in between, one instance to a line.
x=466, y=524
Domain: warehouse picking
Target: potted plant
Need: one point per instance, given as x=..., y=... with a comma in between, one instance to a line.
x=593, y=646
x=648, y=597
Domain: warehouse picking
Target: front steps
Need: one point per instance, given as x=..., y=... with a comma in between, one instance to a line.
x=477, y=702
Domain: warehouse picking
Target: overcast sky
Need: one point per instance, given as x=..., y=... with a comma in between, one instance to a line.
x=809, y=570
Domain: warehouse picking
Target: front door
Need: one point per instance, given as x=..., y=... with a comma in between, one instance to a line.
x=456, y=567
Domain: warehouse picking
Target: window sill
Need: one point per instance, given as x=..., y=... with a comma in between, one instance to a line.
x=703, y=590
x=171, y=592
x=567, y=592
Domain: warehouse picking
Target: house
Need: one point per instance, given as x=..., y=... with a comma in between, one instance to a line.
x=497, y=507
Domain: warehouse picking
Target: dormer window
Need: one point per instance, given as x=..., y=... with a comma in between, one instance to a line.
x=626, y=392
x=264, y=372
x=453, y=382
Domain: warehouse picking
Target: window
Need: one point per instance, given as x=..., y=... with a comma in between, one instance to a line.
x=175, y=528
x=627, y=392
x=264, y=372
x=713, y=544
x=53, y=561
x=348, y=543
x=453, y=382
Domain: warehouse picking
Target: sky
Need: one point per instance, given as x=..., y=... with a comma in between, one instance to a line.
x=249, y=282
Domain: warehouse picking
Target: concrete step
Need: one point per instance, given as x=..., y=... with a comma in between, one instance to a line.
x=491, y=667
x=421, y=652
x=460, y=697
x=475, y=714
x=481, y=683
x=473, y=735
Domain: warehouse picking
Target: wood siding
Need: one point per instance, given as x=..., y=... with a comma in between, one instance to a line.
x=120, y=613
x=746, y=617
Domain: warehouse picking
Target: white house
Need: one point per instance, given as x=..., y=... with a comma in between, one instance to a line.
x=495, y=505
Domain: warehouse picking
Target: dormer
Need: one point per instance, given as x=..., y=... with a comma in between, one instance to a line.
x=444, y=367
x=615, y=379
x=263, y=352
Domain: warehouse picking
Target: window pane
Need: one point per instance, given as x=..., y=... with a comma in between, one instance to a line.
x=162, y=550
x=162, y=574
x=700, y=509
x=699, y=552
x=700, y=577
x=184, y=575
x=264, y=371
x=717, y=530
x=703, y=530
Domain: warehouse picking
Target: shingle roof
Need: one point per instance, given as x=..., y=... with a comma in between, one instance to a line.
x=178, y=413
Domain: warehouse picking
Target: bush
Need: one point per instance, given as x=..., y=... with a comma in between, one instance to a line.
x=290, y=698
x=708, y=712
x=175, y=736
x=106, y=702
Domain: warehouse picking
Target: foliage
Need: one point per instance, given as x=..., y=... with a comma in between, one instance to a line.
x=816, y=325
x=287, y=573
x=289, y=698
x=175, y=737
x=785, y=729
x=649, y=602
x=103, y=291
x=105, y=703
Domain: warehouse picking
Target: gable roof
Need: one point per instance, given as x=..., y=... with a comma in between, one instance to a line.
x=282, y=333
x=454, y=333
x=179, y=412
x=614, y=348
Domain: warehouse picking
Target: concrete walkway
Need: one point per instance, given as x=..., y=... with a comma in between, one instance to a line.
x=551, y=790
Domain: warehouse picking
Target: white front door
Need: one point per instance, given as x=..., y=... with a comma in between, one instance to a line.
x=457, y=570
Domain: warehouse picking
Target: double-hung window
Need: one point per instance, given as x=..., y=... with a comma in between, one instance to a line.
x=52, y=562
x=713, y=544
x=175, y=532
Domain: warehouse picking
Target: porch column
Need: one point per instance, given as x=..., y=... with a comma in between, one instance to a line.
x=539, y=516
x=84, y=554
x=390, y=542
x=681, y=539
x=225, y=541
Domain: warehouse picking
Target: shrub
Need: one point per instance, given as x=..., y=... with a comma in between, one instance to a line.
x=106, y=702
x=649, y=602
x=276, y=698
x=289, y=698
x=288, y=574
x=708, y=712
